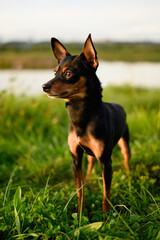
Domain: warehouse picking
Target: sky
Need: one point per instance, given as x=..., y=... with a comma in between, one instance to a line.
x=71, y=20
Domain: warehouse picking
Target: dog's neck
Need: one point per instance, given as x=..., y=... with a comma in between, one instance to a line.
x=82, y=111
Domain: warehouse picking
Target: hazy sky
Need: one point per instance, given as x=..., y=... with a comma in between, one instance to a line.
x=39, y=20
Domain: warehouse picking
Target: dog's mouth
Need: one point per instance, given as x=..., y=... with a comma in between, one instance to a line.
x=52, y=95
x=60, y=95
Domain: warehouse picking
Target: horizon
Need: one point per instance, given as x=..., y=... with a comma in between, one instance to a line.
x=34, y=42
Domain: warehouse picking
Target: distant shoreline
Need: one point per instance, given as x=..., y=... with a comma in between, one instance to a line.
x=20, y=55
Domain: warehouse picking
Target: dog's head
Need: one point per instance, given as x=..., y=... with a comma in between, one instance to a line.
x=73, y=72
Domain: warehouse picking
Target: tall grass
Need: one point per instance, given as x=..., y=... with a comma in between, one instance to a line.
x=37, y=195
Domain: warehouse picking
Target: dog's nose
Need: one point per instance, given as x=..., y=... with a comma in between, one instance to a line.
x=46, y=87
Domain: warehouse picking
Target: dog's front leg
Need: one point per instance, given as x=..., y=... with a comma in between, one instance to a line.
x=107, y=178
x=79, y=178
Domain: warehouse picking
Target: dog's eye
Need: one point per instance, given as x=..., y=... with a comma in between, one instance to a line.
x=68, y=74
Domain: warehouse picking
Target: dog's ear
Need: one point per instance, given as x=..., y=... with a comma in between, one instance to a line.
x=59, y=50
x=90, y=53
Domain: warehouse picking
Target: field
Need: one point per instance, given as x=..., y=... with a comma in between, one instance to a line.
x=35, y=56
x=37, y=195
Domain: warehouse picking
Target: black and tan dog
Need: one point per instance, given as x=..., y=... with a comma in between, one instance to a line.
x=95, y=126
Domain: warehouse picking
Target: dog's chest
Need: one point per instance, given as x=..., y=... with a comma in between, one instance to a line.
x=87, y=142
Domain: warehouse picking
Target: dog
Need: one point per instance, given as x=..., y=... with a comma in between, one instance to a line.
x=95, y=126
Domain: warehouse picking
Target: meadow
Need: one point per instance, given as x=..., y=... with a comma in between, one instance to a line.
x=40, y=56
x=37, y=191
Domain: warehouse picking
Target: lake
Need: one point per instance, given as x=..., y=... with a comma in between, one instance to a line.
x=110, y=73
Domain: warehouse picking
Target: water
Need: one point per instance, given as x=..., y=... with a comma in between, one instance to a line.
x=110, y=73
x=134, y=74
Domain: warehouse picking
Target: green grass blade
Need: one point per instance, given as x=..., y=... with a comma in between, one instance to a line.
x=16, y=204
x=89, y=227
x=72, y=195
x=17, y=198
x=8, y=187
x=46, y=187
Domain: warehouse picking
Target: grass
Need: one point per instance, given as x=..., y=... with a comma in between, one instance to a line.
x=37, y=194
x=37, y=56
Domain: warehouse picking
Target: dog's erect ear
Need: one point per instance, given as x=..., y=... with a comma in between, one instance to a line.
x=90, y=53
x=59, y=50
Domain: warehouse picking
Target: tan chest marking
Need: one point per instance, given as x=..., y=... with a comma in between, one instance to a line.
x=88, y=141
